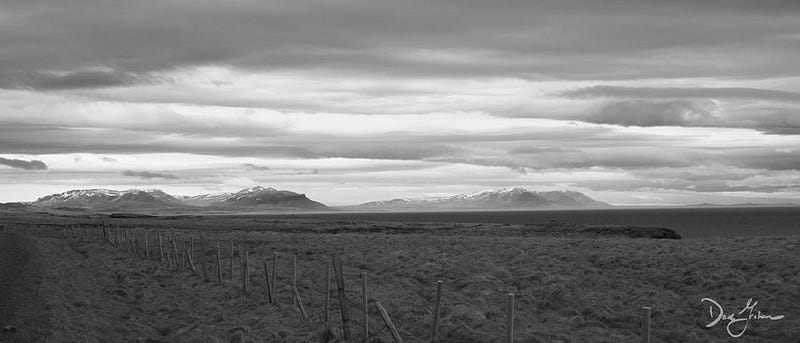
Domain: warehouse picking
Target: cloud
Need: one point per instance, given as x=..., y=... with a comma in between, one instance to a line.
x=150, y=175
x=540, y=150
x=414, y=38
x=777, y=121
x=662, y=113
x=680, y=93
x=78, y=79
x=22, y=164
x=769, y=118
x=415, y=92
x=586, y=158
x=251, y=166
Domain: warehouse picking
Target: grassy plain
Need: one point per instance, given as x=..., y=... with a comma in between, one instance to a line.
x=572, y=283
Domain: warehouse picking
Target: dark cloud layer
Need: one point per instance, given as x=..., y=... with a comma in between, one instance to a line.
x=648, y=113
x=255, y=167
x=80, y=79
x=681, y=93
x=150, y=175
x=621, y=39
x=22, y=164
x=694, y=113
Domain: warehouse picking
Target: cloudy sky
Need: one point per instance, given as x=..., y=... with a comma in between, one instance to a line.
x=631, y=102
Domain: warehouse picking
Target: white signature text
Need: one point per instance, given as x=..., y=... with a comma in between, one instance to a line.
x=737, y=322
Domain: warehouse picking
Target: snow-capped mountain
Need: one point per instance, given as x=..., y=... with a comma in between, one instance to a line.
x=254, y=198
x=260, y=196
x=204, y=199
x=510, y=198
x=107, y=199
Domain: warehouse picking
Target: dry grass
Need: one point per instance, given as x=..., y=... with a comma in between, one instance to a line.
x=568, y=289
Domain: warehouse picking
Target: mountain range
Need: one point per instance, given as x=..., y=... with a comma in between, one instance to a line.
x=254, y=198
x=504, y=199
x=269, y=199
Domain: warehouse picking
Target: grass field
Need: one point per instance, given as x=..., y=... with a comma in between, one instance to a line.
x=571, y=284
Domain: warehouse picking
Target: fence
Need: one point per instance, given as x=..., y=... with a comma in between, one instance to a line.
x=155, y=245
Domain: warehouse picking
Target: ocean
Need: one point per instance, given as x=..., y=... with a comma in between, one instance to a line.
x=688, y=222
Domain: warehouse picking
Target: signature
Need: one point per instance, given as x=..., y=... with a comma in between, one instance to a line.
x=739, y=320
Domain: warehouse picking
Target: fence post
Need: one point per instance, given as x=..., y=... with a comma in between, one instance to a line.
x=267, y=283
x=294, y=273
x=437, y=304
x=219, y=268
x=176, y=255
x=181, y=253
x=230, y=262
x=191, y=263
x=510, y=319
x=645, y=324
x=274, y=273
x=243, y=255
x=186, y=252
x=337, y=267
x=366, y=309
x=328, y=291
x=203, y=256
x=163, y=255
x=299, y=301
x=388, y=322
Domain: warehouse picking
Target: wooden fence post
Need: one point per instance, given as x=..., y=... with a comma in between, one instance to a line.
x=219, y=267
x=327, y=291
x=203, y=256
x=182, y=257
x=175, y=255
x=337, y=267
x=295, y=293
x=247, y=270
x=645, y=324
x=168, y=250
x=388, y=322
x=299, y=302
x=437, y=304
x=230, y=260
x=510, y=319
x=364, y=301
x=244, y=270
x=186, y=252
x=191, y=263
x=294, y=272
x=160, y=249
x=267, y=284
x=274, y=273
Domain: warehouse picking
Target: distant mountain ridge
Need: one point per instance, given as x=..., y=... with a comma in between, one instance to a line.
x=509, y=198
x=253, y=198
x=107, y=199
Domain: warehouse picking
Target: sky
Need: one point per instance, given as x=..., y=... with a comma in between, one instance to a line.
x=631, y=102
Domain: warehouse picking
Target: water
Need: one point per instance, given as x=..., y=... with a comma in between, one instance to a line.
x=688, y=222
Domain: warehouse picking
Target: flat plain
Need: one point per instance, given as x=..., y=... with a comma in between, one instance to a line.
x=572, y=283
